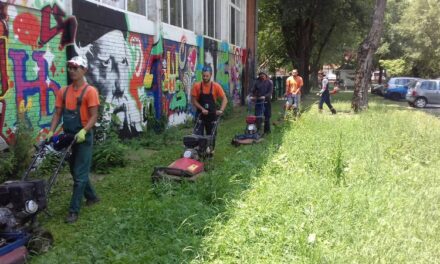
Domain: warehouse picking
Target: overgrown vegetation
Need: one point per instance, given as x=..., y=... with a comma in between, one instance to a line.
x=274, y=202
x=108, y=154
x=15, y=161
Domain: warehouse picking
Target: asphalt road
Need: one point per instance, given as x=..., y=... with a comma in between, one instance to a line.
x=430, y=108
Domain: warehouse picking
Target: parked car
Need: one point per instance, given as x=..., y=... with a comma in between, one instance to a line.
x=397, y=87
x=424, y=92
x=378, y=89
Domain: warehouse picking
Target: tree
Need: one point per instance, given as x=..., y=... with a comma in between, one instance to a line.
x=305, y=33
x=366, y=52
x=420, y=27
x=411, y=34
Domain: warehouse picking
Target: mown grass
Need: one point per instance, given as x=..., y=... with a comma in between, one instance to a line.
x=365, y=185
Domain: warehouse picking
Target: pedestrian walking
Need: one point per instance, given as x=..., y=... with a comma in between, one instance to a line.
x=325, y=94
x=293, y=92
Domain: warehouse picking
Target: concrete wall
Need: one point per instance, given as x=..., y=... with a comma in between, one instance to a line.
x=140, y=67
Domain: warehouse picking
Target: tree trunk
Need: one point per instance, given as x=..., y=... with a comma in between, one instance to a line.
x=365, y=58
x=380, y=75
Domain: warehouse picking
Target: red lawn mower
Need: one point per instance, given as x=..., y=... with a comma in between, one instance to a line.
x=198, y=151
x=251, y=134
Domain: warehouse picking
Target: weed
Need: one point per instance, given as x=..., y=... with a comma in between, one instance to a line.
x=109, y=154
x=338, y=163
x=6, y=165
x=16, y=161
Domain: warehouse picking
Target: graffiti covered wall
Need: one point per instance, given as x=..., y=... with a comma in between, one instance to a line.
x=32, y=64
x=138, y=76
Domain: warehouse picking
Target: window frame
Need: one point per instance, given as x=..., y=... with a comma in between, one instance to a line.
x=216, y=26
x=182, y=14
x=100, y=2
x=238, y=11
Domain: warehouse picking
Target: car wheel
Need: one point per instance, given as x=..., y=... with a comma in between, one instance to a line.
x=420, y=102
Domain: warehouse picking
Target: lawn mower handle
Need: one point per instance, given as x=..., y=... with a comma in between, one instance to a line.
x=40, y=147
x=60, y=165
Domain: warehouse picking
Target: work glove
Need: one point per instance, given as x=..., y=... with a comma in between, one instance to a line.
x=80, y=137
x=49, y=136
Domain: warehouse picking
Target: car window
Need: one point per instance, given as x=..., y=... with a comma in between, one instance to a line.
x=399, y=82
x=412, y=84
x=428, y=85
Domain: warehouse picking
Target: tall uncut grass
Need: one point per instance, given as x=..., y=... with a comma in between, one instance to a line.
x=341, y=189
x=323, y=189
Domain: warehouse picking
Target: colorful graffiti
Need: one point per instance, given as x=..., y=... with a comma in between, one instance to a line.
x=138, y=76
x=32, y=59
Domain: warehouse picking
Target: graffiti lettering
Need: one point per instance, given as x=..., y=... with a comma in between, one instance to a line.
x=170, y=72
x=66, y=27
x=3, y=66
x=26, y=29
x=4, y=32
x=25, y=88
x=178, y=103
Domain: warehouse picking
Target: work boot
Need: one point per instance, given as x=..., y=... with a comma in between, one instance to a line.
x=92, y=201
x=333, y=111
x=71, y=218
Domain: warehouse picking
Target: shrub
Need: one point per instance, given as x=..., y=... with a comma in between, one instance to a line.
x=15, y=162
x=6, y=165
x=108, y=154
x=157, y=125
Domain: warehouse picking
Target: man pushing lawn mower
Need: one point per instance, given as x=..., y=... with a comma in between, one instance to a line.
x=77, y=105
x=203, y=97
x=262, y=93
x=200, y=145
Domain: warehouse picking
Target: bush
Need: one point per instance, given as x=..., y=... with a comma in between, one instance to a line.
x=228, y=110
x=15, y=162
x=108, y=154
x=157, y=125
x=6, y=165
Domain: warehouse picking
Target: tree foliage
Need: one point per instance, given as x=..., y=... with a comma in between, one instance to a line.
x=308, y=33
x=412, y=35
x=397, y=67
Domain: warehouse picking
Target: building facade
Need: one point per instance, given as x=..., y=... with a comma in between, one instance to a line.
x=143, y=56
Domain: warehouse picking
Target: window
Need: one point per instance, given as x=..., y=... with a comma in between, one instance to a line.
x=234, y=21
x=431, y=86
x=135, y=6
x=115, y=3
x=178, y=13
x=212, y=16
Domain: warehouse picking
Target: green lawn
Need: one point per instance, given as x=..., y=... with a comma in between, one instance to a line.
x=365, y=187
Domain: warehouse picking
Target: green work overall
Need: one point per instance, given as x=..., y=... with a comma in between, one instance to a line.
x=81, y=158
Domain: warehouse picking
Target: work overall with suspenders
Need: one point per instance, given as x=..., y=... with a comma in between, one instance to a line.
x=81, y=158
